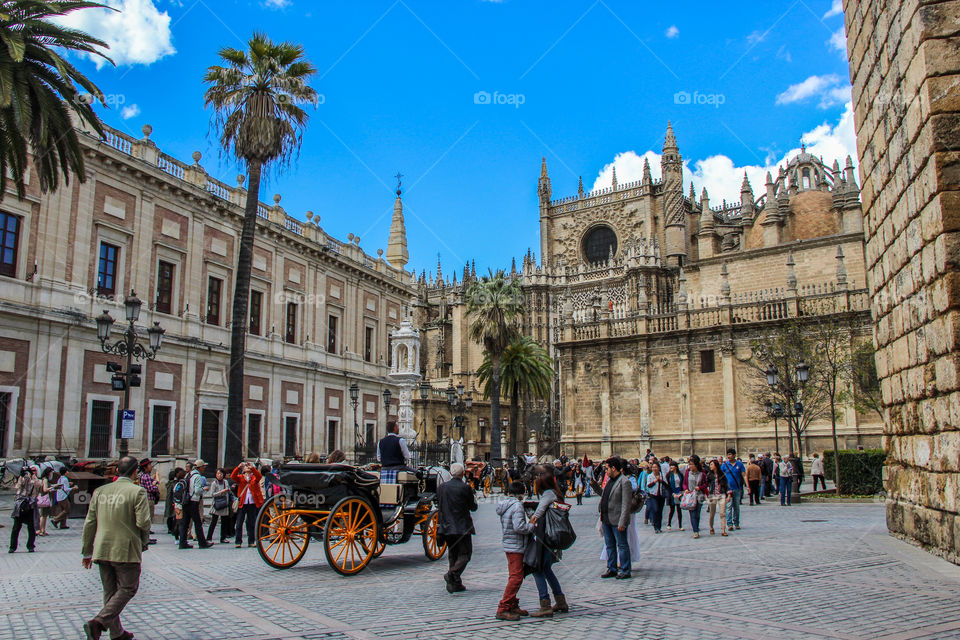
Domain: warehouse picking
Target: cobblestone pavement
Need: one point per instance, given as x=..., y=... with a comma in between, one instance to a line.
x=808, y=571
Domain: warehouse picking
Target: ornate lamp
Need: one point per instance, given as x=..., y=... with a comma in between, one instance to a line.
x=386, y=399
x=104, y=322
x=131, y=306
x=803, y=372
x=772, y=375
x=156, y=336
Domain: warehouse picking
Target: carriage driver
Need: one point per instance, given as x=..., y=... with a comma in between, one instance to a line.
x=393, y=454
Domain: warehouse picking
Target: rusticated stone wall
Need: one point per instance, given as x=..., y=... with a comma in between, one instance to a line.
x=905, y=68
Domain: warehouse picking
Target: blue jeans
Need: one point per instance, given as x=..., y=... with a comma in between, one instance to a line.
x=733, y=508
x=655, y=509
x=786, y=487
x=695, y=517
x=617, y=547
x=546, y=575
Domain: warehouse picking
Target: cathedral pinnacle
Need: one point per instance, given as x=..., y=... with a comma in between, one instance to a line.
x=669, y=141
x=580, y=187
x=543, y=185
x=397, y=254
x=647, y=178
x=614, y=182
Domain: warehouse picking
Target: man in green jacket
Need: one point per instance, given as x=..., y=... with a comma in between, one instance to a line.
x=115, y=533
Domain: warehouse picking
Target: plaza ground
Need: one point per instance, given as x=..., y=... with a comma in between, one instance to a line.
x=808, y=571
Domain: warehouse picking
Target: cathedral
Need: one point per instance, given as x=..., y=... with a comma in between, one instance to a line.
x=648, y=299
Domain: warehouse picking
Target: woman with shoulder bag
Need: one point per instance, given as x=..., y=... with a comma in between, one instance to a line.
x=24, y=506
x=695, y=485
x=249, y=498
x=220, y=506
x=45, y=499
x=549, y=491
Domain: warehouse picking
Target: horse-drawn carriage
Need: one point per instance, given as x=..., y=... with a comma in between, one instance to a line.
x=350, y=512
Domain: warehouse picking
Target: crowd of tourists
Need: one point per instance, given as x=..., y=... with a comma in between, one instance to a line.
x=117, y=528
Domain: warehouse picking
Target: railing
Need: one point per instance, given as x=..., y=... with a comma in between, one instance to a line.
x=263, y=211
x=118, y=141
x=761, y=306
x=294, y=226
x=169, y=165
x=218, y=189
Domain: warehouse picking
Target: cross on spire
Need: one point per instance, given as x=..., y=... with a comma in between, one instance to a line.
x=399, y=178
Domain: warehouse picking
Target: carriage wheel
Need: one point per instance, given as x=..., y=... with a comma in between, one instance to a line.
x=432, y=547
x=380, y=548
x=350, y=537
x=487, y=487
x=282, y=537
x=571, y=492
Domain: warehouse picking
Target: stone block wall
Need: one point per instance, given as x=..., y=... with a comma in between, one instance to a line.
x=905, y=69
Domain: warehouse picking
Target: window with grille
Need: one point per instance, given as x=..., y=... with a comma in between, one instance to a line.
x=291, y=333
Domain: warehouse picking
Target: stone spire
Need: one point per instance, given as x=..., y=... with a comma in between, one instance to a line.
x=673, y=203
x=852, y=191
x=543, y=185
x=473, y=269
x=647, y=178
x=580, y=187
x=397, y=254
x=614, y=177
x=746, y=200
x=841, y=269
x=706, y=215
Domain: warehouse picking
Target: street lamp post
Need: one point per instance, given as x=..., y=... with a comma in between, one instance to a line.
x=794, y=402
x=386, y=404
x=127, y=346
x=357, y=436
x=460, y=405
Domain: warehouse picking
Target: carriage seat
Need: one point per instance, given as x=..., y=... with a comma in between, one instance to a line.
x=390, y=494
x=403, y=477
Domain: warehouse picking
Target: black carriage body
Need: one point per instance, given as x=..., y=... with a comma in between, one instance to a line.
x=320, y=486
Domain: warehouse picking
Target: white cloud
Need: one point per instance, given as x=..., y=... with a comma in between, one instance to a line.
x=723, y=178
x=672, y=31
x=830, y=89
x=836, y=9
x=137, y=32
x=130, y=112
x=838, y=41
x=277, y=4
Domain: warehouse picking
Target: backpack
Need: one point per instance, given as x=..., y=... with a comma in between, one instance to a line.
x=638, y=500
x=181, y=492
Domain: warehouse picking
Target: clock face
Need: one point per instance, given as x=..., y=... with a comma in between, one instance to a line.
x=599, y=243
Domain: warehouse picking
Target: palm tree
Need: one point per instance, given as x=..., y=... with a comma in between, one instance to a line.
x=525, y=370
x=255, y=95
x=38, y=94
x=495, y=302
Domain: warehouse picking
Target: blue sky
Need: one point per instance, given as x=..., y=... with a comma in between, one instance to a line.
x=582, y=83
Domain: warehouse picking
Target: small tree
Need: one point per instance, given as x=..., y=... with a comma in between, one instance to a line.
x=833, y=337
x=784, y=347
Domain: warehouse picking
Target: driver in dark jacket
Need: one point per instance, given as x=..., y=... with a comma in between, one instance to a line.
x=456, y=501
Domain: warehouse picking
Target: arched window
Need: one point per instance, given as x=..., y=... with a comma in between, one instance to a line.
x=599, y=244
x=805, y=181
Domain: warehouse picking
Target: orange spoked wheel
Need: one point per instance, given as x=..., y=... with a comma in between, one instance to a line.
x=350, y=536
x=432, y=547
x=282, y=535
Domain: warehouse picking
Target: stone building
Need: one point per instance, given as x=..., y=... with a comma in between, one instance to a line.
x=321, y=312
x=904, y=69
x=648, y=299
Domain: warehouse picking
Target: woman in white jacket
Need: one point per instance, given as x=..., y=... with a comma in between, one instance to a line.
x=516, y=533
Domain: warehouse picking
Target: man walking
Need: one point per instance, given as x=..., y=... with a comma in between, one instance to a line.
x=115, y=534
x=754, y=475
x=615, y=518
x=736, y=480
x=191, y=508
x=766, y=465
x=456, y=501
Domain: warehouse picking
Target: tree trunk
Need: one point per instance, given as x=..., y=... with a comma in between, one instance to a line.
x=495, y=451
x=836, y=447
x=233, y=439
x=514, y=421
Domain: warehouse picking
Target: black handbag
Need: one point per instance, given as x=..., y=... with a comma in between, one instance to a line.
x=559, y=532
x=221, y=501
